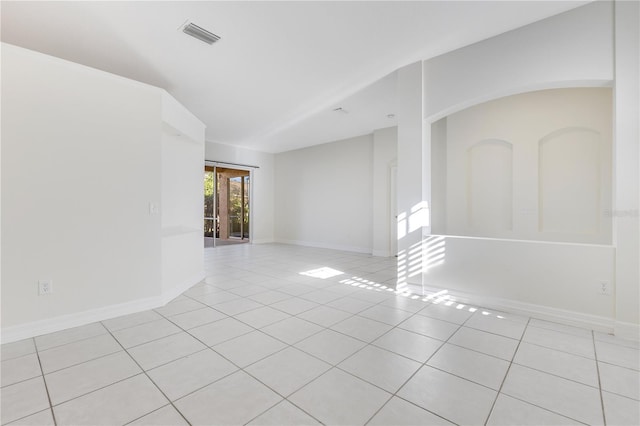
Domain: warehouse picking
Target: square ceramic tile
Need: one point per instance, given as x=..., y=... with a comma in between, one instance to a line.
x=249, y=348
x=430, y=327
x=618, y=355
x=385, y=314
x=330, y=346
x=131, y=320
x=220, y=331
x=196, y=318
x=374, y=297
x=560, y=341
x=18, y=349
x=349, y=304
x=133, y=398
x=562, y=396
x=161, y=351
x=83, y=378
x=262, y=317
x=405, y=303
x=563, y=364
x=248, y=290
x=165, y=416
x=487, y=343
x=269, y=297
x=213, y=299
x=284, y=414
x=185, y=375
x=287, y=370
x=445, y=394
x=496, y=325
x=69, y=335
x=324, y=315
x=234, y=400
x=42, y=418
x=409, y=344
x=201, y=290
x=620, y=380
x=361, y=328
x=237, y=306
x=146, y=332
x=23, y=399
x=511, y=411
x=471, y=365
x=620, y=411
x=78, y=352
x=337, y=398
x=18, y=369
x=296, y=289
x=450, y=313
x=399, y=412
x=321, y=296
x=615, y=340
x=292, y=330
x=380, y=367
x=178, y=307
x=294, y=305
x=562, y=328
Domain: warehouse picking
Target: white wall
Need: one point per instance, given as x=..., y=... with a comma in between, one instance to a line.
x=89, y=180
x=263, y=184
x=324, y=193
x=572, y=49
x=626, y=167
x=532, y=166
x=385, y=152
x=413, y=206
x=80, y=167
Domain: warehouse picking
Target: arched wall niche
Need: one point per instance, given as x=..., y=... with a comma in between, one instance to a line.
x=532, y=166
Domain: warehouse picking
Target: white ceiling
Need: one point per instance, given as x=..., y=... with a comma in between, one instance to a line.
x=280, y=69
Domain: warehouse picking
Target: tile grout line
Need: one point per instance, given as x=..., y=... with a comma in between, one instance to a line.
x=595, y=354
x=504, y=379
x=151, y=380
x=46, y=387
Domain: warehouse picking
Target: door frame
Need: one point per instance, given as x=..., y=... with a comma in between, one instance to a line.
x=247, y=168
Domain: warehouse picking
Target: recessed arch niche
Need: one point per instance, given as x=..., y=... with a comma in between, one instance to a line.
x=531, y=166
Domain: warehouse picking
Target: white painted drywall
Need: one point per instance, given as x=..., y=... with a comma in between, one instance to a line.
x=81, y=164
x=413, y=207
x=543, y=275
x=385, y=153
x=530, y=166
x=263, y=184
x=572, y=49
x=181, y=205
x=324, y=193
x=100, y=195
x=627, y=163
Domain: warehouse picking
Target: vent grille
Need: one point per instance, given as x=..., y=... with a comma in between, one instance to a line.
x=200, y=33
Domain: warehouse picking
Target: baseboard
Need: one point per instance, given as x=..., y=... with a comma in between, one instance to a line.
x=62, y=322
x=563, y=316
x=627, y=330
x=263, y=241
x=172, y=293
x=381, y=253
x=331, y=246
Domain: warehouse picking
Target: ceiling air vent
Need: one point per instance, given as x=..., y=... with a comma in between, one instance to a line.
x=200, y=33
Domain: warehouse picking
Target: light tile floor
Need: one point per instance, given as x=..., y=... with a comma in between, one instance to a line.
x=259, y=343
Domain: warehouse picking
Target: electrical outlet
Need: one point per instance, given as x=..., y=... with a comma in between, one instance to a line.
x=45, y=287
x=603, y=288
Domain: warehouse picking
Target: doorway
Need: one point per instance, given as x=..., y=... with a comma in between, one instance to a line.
x=226, y=206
